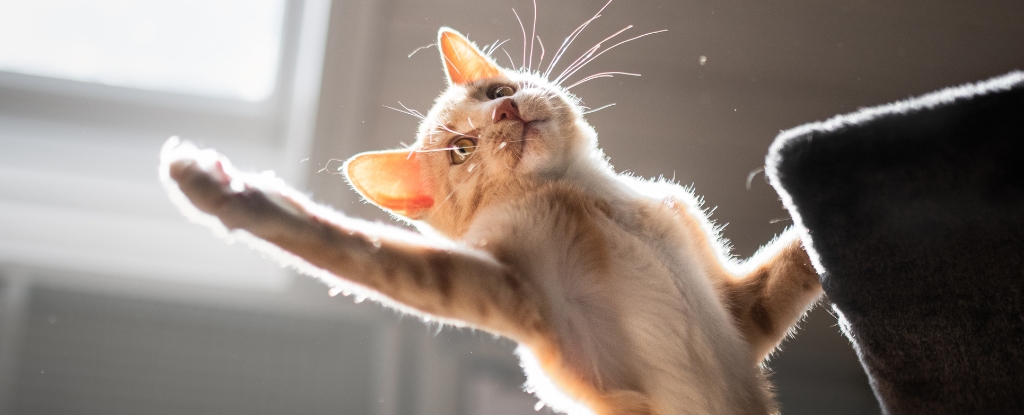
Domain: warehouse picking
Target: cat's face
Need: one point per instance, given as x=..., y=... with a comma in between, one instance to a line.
x=490, y=137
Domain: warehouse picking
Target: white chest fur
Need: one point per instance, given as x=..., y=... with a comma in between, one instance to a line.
x=629, y=300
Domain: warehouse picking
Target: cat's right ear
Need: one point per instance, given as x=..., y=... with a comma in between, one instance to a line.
x=463, y=62
x=393, y=180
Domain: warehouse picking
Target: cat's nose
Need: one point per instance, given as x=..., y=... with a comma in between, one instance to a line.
x=506, y=110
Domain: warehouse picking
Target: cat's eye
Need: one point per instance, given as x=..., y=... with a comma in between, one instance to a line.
x=500, y=91
x=462, y=149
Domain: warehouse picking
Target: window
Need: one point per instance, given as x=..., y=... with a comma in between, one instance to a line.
x=90, y=89
x=214, y=48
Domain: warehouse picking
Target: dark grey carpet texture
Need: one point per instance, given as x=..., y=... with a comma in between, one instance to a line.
x=914, y=215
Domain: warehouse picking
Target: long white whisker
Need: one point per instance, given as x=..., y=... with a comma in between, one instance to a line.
x=403, y=112
x=569, y=39
x=524, y=36
x=495, y=47
x=509, y=59
x=600, y=75
x=565, y=45
x=541, y=61
x=610, y=48
x=598, y=109
x=421, y=48
x=328, y=164
x=590, y=52
x=533, y=35
x=418, y=114
x=591, y=77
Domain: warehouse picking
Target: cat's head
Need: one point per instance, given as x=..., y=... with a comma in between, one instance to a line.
x=493, y=135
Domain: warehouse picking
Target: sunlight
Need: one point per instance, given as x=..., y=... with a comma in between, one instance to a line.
x=213, y=48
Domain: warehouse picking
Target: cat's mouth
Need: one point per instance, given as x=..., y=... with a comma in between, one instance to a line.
x=517, y=133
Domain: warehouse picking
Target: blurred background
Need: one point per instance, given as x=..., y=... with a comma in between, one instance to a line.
x=111, y=303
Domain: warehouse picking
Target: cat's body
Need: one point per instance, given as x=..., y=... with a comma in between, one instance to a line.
x=616, y=288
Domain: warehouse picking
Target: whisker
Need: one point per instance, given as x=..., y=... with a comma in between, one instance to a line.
x=586, y=55
x=533, y=35
x=598, y=109
x=524, y=36
x=541, y=61
x=328, y=164
x=414, y=112
x=495, y=46
x=421, y=48
x=509, y=59
x=466, y=134
x=595, y=76
x=610, y=48
x=569, y=39
x=420, y=115
x=565, y=46
x=403, y=112
x=600, y=75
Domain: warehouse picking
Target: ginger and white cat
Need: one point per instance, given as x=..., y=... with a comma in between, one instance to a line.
x=617, y=289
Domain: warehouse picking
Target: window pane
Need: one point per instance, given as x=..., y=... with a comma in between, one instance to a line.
x=214, y=48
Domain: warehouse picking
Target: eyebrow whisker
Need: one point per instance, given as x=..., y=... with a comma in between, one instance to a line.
x=541, y=61
x=524, y=36
x=598, y=109
x=404, y=112
x=601, y=75
x=533, y=35
x=569, y=39
x=587, y=55
x=581, y=65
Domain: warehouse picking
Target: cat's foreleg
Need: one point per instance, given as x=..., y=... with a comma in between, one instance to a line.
x=780, y=286
x=443, y=279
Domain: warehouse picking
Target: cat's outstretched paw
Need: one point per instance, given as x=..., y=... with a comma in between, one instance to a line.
x=205, y=177
x=209, y=190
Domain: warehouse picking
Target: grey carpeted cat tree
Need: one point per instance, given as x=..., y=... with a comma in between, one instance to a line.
x=914, y=211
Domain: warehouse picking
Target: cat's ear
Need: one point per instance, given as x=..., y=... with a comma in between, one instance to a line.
x=393, y=180
x=463, y=62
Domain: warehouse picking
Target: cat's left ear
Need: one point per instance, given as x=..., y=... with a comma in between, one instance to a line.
x=463, y=62
x=393, y=180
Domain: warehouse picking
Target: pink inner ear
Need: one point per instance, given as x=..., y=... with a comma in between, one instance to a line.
x=392, y=180
x=464, y=63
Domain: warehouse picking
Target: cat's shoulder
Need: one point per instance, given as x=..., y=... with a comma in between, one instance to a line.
x=660, y=189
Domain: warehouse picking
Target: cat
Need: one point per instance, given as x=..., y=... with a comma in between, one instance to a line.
x=618, y=290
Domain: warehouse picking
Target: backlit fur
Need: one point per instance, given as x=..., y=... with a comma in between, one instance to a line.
x=618, y=290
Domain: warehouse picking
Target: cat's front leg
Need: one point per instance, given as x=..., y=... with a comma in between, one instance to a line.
x=769, y=300
x=440, y=278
